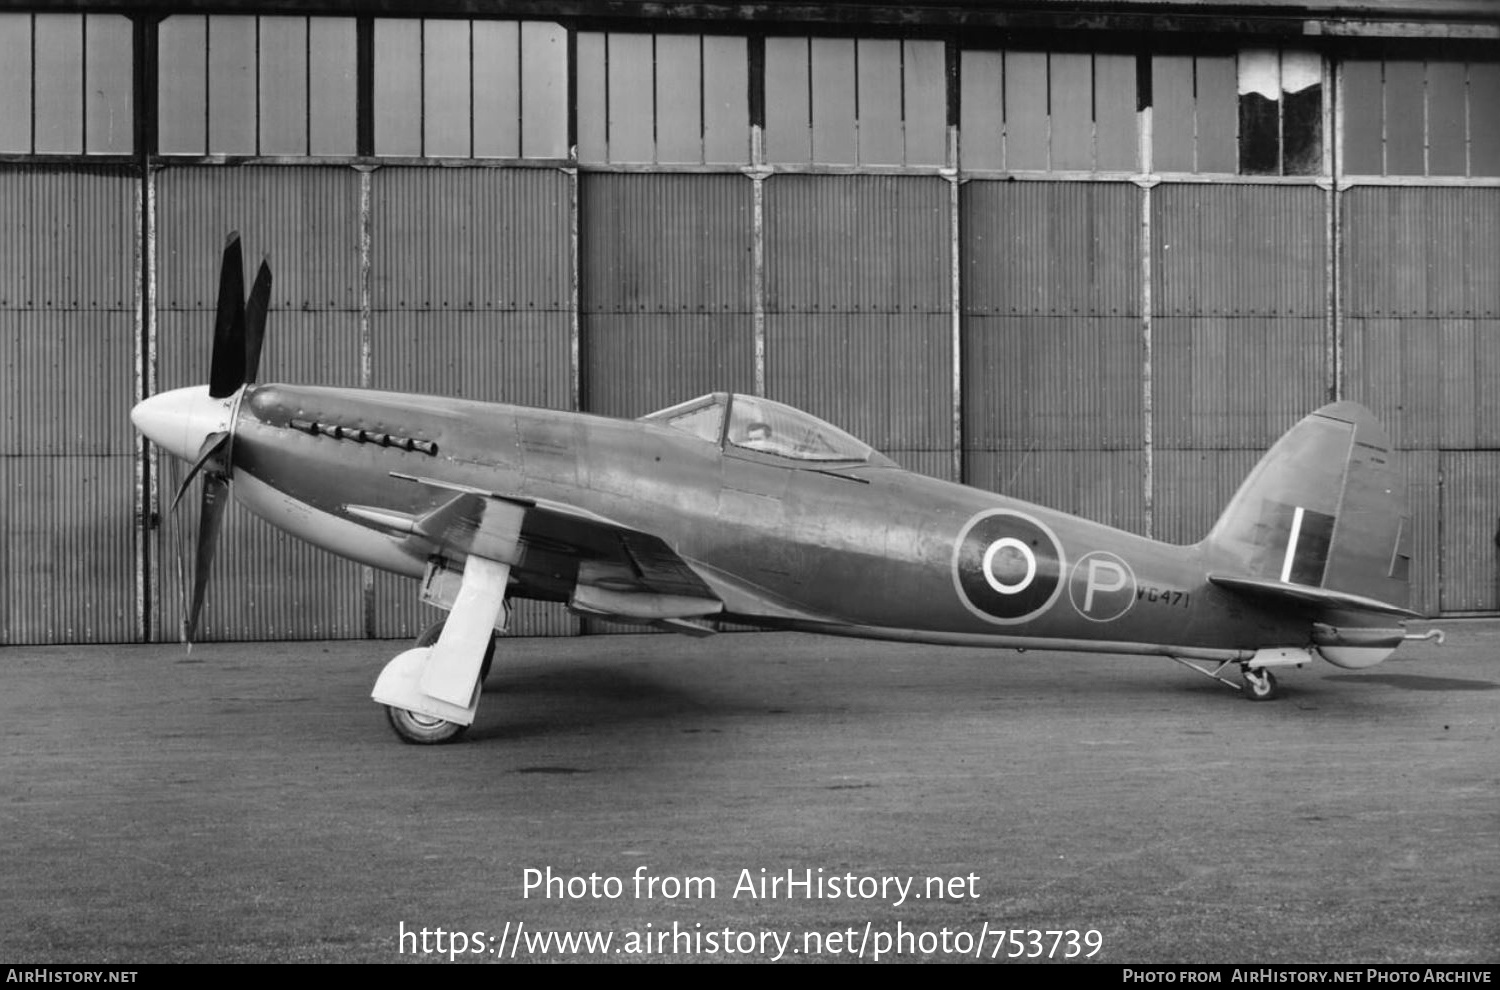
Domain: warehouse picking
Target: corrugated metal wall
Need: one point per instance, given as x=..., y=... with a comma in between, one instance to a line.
x=1239, y=337
x=666, y=289
x=1421, y=303
x=265, y=585
x=470, y=296
x=68, y=330
x=859, y=311
x=1052, y=345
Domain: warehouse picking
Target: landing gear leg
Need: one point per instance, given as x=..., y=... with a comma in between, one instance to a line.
x=431, y=691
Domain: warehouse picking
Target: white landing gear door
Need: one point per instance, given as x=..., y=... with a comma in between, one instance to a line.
x=452, y=668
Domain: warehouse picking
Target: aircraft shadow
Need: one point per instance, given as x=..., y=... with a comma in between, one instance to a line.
x=1415, y=682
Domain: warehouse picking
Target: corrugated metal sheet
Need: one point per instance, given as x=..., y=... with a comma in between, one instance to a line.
x=264, y=584
x=470, y=238
x=1051, y=248
x=1395, y=366
x=857, y=244
x=70, y=241
x=886, y=378
x=1424, y=501
x=1470, y=530
x=1230, y=250
x=1105, y=486
x=1470, y=366
x=665, y=289
x=1226, y=383
x=518, y=357
x=306, y=348
x=634, y=363
x=68, y=572
x=305, y=221
x=69, y=382
x=1421, y=252
x=1052, y=383
x=665, y=243
x=1192, y=487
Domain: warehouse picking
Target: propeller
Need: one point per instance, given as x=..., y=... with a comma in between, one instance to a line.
x=239, y=332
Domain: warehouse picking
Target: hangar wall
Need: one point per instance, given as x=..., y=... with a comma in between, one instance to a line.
x=1097, y=278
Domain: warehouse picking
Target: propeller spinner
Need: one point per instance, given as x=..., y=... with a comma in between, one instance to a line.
x=196, y=423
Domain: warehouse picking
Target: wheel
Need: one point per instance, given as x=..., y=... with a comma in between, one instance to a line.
x=422, y=730
x=1260, y=685
x=431, y=633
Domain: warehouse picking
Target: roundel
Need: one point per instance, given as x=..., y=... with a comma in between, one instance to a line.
x=1007, y=567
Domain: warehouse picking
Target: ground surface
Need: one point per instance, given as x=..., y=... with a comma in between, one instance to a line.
x=248, y=803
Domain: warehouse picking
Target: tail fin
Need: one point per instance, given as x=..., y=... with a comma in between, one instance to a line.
x=1322, y=519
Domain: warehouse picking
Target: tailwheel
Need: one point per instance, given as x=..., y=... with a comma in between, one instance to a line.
x=422, y=730
x=1260, y=685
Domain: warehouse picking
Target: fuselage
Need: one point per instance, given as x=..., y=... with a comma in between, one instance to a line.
x=856, y=549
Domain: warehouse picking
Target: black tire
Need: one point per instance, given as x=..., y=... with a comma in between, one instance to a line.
x=1259, y=685
x=423, y=730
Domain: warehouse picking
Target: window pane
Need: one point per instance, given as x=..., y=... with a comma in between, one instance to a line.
x=679, y=111
x=15, y=83
x=1115, y=113
x=591, y=102
x=1025, y=110
x=1405, y=126
x=283, y=85
x=445, y=89
x=726, y=100
x=333, y=119
x=788, y=110
x=1172, y=112
x=231, y=85
x=880, y=137
x=925, y=102
x=1260, y=112
x=1446, y=137
x=398, y=87
x=1364, y=119
x=1216, y=113
x=1301, y=113
x=59, y=84
x=833, y=102
x=1072, y=110
x=497, y=89
x=182, y=44
x=544, y=90
x=980, y=108
x=1484, y=118
x=109, y=123
x=631, y=137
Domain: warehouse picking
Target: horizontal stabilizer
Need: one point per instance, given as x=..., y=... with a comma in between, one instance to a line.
x=1309, y=595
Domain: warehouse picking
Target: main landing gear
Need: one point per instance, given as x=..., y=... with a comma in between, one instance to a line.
x=1257, y=683
x=430, y=730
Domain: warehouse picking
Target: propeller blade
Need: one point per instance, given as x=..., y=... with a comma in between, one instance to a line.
x=255, y=320
x=214, y=445
x=215, y=499
x=227, y=366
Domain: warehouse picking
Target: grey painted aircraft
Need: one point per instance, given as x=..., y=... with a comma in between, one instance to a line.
x=732, y=508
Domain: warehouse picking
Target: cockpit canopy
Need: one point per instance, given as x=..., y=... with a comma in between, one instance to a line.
x=748, y=422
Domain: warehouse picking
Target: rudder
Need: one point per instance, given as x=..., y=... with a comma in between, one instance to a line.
x=1324, y=508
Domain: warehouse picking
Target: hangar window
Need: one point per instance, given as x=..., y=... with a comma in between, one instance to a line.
x=1258, y=112
x=1047, y=111
x=470, y=89
x=669, y=99
x=842, y=101
x=240, y=85
x=1404, y=117
x=65, y=84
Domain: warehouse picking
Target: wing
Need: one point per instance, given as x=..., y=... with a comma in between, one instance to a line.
x=607, y=568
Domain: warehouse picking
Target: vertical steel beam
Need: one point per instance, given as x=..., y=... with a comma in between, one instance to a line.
x=759, y=172
x=144, y=86
x=366, y=355
x=955, y=256
x=1147, y=181
x=1334, y=157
